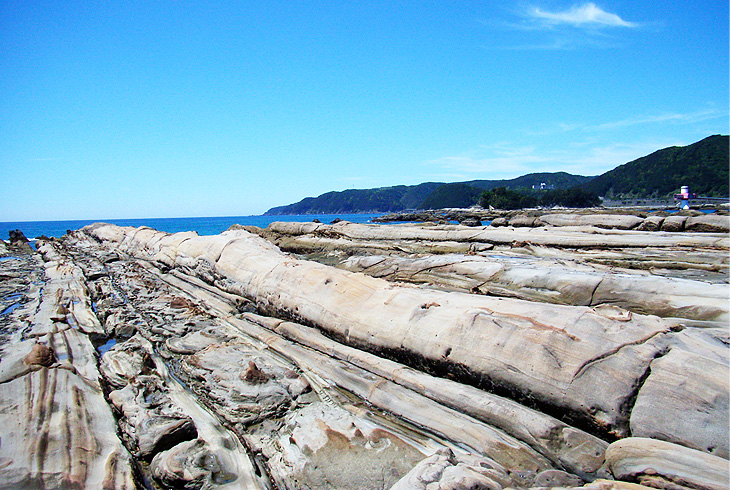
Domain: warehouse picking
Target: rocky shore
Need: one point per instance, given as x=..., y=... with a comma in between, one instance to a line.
x=576, y=351
x=618, y=218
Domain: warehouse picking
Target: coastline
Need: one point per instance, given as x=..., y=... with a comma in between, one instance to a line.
x=202, y=225
x=303, y=352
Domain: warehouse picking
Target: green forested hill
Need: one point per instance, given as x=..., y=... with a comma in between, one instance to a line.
x=457, y=195
x=429, y=195
x=703, y=166
x=553, y=180
x=378, y=200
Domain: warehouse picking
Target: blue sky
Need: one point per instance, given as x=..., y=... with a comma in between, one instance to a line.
x=166, y=109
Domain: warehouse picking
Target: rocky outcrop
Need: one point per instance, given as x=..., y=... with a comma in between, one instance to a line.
x=605, y=347
x=693, y=354
x=550, y=281
x=231, y=364
x=445, y=470
x=580, y=237
x=679, y=255
x=660, y=464
x=18, y=242
x=57, y=429
x=608, y=221
x=693, y=220
x=708, y=223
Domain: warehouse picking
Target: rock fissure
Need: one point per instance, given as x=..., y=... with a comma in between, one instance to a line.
x=628, y=404
x=590, y=362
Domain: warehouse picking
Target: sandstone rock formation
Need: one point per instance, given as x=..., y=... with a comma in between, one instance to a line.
x=231, y=364
x=57, y=429
x=549, y=280
x=692, y=220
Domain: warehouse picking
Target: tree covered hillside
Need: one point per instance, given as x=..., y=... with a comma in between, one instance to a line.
x=703, y=166
x=553, y=180
x=429, y=195
x=378, y=200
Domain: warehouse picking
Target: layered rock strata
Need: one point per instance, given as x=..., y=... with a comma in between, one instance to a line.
x=551, y=281
x=523, y=262
x=685, y=220
x=57, y=429
x=231, y=364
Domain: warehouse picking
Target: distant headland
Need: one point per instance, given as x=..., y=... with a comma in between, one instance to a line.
x=657, y=177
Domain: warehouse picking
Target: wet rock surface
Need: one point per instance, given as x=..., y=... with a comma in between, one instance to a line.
x=179, y=361
x=58, y=431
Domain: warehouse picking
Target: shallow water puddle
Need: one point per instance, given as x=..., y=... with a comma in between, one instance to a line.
x=104, y=348
x=14, y=303
x=9, y=309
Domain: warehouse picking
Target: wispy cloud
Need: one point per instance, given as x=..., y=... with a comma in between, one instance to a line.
x=637, y=120
x=560, y=43
x=582, y=25
x=497, y=160
x=586, y=15
x=680, y=118
x=507, y=161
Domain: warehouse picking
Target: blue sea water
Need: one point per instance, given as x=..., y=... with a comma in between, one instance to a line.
x=204, y=226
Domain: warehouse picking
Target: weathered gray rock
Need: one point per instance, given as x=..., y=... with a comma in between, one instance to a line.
x=243, y=393
x=710, y=223
x=123, y=362
x=152, y=422
x=326, y=447
x=557, y=478
x=608, y=221
x=122, y=323
x=191, y=464
x=57, y=432
x=57, y=429
x=470, y=222
x=577, y=348
x=576, y=237
x=196, y=341
x=526, y=221
x=18, y=242
x=552, y=281
x=66, y=302
x=674, y=223
x=563, y=445
x=651, y=223
x=686, y=392
x=699, y=257
x=660, y=464
x=183, y=295
x=446, y=471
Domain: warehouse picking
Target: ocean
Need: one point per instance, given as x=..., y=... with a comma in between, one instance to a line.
x=204, y=226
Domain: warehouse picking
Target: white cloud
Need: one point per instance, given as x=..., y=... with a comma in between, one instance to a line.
x=504, y=161
x=582, y=15
x=681, y=118
x=495, y=161
x=583, y=25
x=676, y=118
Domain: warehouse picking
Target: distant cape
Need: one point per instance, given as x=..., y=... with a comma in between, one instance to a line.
x=702, y=165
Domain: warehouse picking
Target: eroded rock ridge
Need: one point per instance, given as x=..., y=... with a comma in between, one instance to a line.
x=402, y=356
